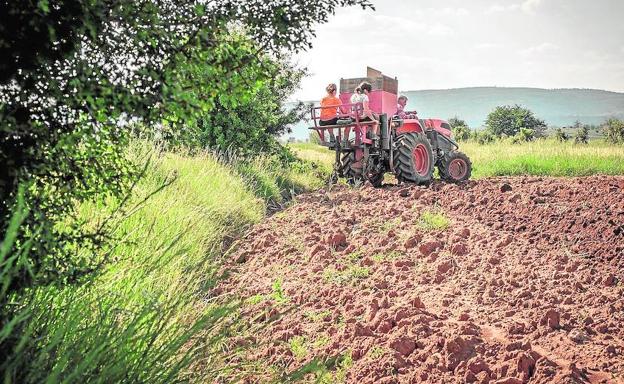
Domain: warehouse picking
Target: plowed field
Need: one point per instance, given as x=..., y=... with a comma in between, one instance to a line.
x=503, y=280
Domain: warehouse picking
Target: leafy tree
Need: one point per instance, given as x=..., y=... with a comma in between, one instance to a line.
x=509, y=120
x=614, y=131
x=582, y=135
x=561, y=136
x=455, y=122
x=74, y=73
x=254, y=124
x=461, y=131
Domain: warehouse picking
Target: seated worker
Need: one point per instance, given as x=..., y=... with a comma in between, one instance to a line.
x=330, y=107
x=360, y=95
x=401, y=113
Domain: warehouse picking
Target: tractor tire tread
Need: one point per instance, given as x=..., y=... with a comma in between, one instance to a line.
x=447, y=158
x=405, y=167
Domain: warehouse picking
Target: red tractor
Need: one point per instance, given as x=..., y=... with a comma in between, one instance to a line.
x=409, y=148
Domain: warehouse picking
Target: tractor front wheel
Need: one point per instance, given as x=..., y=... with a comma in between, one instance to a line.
x=455, y=167
x=414, y=160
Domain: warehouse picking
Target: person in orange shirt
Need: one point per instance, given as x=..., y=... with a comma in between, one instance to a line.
x=330, y=107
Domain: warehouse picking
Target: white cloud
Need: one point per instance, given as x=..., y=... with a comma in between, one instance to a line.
x=527, y=6
x=530, y=6
x=487, y=46
x=539, y=49
x=496, y=8
x=448, y=11
x=440, y=30
x=393, y=24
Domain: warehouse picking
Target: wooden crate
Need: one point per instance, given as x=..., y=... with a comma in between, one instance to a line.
x=381, y=83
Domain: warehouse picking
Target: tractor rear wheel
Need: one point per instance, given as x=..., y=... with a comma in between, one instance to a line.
x=414, y=160
x=455, y=167
x=354, y=175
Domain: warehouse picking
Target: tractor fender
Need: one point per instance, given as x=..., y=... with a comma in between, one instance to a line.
x=421, y=125
x=410, y=125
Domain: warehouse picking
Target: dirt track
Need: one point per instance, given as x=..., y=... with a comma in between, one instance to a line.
x=524, y=285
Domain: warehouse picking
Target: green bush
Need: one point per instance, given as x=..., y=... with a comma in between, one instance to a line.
x=525, y=134
x=461, y=131
x=561, y=136
x=483, y=136
x=251, y=126
x=582, y=135
x=314, y=138
x=613, y=129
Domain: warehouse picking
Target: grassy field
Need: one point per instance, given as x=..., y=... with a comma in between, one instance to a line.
x=539, y=158
x=545, y=158
x=147, y=318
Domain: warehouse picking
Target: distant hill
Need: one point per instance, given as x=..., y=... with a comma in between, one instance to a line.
x=558, y=107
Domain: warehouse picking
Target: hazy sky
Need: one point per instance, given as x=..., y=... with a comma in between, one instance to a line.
x=434, y=44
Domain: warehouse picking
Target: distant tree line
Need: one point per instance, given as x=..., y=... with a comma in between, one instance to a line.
x=518, y=124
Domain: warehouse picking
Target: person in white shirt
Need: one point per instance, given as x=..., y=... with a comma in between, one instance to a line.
x=360, y=95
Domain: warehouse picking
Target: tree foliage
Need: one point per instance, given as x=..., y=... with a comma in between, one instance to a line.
x=513, y=120
x=455, y=122
x=613, y=130
x=253, y=125
x=461, y=131
x=582, y=135
x=482, y=136
x=73, y=71
x=524, y=135
x=561, y=136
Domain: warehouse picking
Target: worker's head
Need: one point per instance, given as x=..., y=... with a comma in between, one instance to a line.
x=331, y=88
x=365, y=87
x=402, y=101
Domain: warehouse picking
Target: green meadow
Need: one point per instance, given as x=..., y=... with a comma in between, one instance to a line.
x=546, y=157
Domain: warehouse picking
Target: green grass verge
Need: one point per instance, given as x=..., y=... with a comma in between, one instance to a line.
x=539, y=158
x=146, y=317
x=545, y=158
x=315, y=153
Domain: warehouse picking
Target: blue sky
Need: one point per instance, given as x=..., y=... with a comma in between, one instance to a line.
x=431, y=44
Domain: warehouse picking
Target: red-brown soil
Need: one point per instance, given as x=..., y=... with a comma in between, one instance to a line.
x=526, y=284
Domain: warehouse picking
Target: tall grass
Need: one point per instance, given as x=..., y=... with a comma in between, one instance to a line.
x=545, y=158
x=538, y=158
x=313, y=152
x=146, y=317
